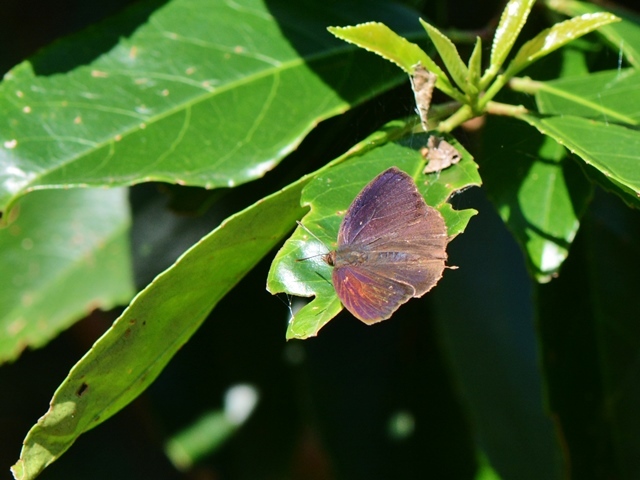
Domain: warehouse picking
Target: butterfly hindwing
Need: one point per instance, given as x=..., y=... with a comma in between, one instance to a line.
x=416, y=267
x=367, y=295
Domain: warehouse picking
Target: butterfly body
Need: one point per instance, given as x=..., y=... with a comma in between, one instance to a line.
x=391, y=247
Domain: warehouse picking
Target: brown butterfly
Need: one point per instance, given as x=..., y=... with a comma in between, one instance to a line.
x=391, y=247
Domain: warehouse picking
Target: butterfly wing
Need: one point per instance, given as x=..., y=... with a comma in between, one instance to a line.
x=369, y=296
x=411, y=265
x=391, y=208
x=396, y=235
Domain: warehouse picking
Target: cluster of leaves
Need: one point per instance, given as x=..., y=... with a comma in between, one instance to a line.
x=217, y=102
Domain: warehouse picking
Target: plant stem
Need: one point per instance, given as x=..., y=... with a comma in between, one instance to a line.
x=463, y=114
x=525, y=85
x=505, y=109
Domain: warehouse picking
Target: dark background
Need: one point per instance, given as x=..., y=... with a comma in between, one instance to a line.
x=324, y=403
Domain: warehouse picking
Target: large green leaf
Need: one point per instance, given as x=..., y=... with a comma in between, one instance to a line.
x=484, y=316
x=607, y=146
x=611, y=149
x=538, y=191
x=133, y=352
x=610, y=96
x=590, y=344
x=63, y=254
x=206, y=93
x=614, y=255
x=569, y=359
x=331, y=193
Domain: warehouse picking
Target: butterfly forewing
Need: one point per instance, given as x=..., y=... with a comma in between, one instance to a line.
x=390, y=207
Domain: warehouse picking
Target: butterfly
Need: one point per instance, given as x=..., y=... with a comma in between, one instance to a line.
x=391, y=248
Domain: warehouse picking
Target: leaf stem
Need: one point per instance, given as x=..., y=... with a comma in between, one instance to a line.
x=505, y=109
x=525, y=85
x=463, y=114
x=492, y=91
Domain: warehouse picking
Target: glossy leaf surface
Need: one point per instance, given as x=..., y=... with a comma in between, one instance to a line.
x=512, y=20
x=623, y=36
x=63, y=254
x=133, y=352
x=380, y=39
x=190, y=97
x=610, y=149
x=539, y=192
x=451, y=58
x=609, y=96
x=557, y=36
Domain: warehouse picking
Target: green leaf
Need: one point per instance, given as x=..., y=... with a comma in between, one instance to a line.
x=330, y=194
x=484, y=319
x=133, y=352
x=210, y=431
x=539, y=193
x=63, y=254
x=193, y=96
x=513, y=18
x=451, y=58
x=569, y=357
x=614, y=259
x=206, y=435
x=609, y=96
x=485, y=470
x=475, y=63
x=555, y=37
x=605, y=96
x=590, y=344
x=380, y=39
x=623, y=36
x=609, y=148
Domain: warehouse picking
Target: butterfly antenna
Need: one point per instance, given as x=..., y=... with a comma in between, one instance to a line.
x=314, y=236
